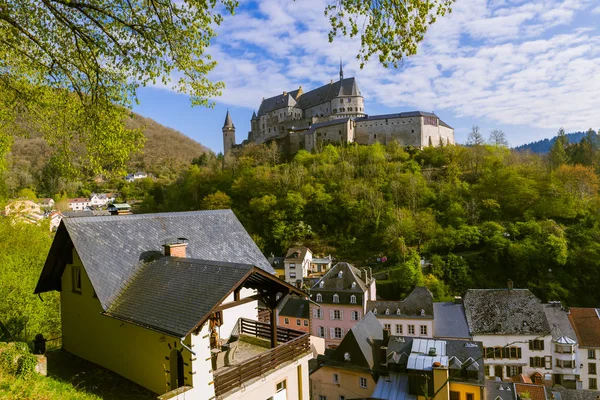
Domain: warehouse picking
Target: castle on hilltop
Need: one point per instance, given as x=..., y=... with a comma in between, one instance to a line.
x=334, y=113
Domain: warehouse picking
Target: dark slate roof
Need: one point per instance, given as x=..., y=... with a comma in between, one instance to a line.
x=295, y=308
x=332, y=283
x=558, y=319
x=173, y=295
x=111, y=247
x=503, y=311
x=498, y=389
x=419, y=299
x=470, y=355
x=228, y=122
x=363, y=342
x=573, y=394
x=320, y=95
x=300, y=251
x=333, y=122
x=450, y=321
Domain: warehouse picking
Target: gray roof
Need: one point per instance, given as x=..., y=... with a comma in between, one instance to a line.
x=332, y=282
x=394, y=386
x=407, y=114
x=173, y=295
x=320, y=95
x=558, y=319
x=295, y=308
x=572, y=394
x=111, y=248
x=504, y=311
x=363, y=342
x=228, y=122
x=332, y=122
x=495, y=389
x=450, y=321
x=419, y=299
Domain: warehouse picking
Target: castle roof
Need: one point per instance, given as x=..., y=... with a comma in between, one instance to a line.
x=320, y=95
x=228, y=122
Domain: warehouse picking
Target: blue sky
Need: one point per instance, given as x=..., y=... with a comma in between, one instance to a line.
x=526, y=67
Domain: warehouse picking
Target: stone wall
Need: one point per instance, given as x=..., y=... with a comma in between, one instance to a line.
x=406, y=131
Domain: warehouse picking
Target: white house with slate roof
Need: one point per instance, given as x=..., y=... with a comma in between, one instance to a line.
x=514, y=330
x=412, y=316
x=169, y=301
x=335, y=113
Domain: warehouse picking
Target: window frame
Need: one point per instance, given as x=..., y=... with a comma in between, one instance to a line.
x=591, y=354
x=423, y=330
x=76, y=280
x=362, y=382
x=336, y=379
x=353, y=299
x=411, y=329
x=336, y=298
x=319, y=298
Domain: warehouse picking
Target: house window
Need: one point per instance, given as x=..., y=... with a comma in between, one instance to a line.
x=498, y=352
x=569, y=364
x=319, y=297
x=292, y=275
x=336, y=298
x=286, y=321
x=298, y=322
x=336, y=379
x=470, y=396
x=281, y=386
x=387, y=311
x=336, y=314
x=411, y=329
x=321, y=397
x=321, y=284
x=375, y=311
x=591, y=354
x=292, y=266
x=337, y=333
x=536, y=344
x=305, y=322
x=387, y=327
x=76, y=279
x=318, y=313
x=593, y=383
x=513, y=370
x=363, y=382
x=423, y=329
x=355, y=315
x=537, y=362
x=342, y=397
x=454, y=395
x=353, y=299
x=398, y=329
x=592, y=369
x=322, y=332
x=548, y=361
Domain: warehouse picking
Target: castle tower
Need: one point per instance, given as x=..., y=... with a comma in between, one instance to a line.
x=341, y=71
x=228, y=134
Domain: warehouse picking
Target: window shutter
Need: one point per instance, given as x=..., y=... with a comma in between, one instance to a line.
x=332, y=333
x=531, y=345
x=508, y=372
x=331, y=316
x=520, y=370
x=519, y=352
x=531, y=362
x=315, y=313
x=542, y=344
x=341, y=314
x=358, y=315
x=505, y=352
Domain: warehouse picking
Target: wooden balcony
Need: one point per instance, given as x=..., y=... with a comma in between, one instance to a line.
x=291, y=344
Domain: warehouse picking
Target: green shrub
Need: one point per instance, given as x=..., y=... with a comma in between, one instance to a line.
x=16, y=359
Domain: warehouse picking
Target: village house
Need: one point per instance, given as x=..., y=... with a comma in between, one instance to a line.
x=586, y=324
x=565, y=368
x=79, y=204
x=297, y=263
x=170, y=301
x=46, y=202
x=514, y=330
x=342, y=295
x=101, y=199
x=294, y=313
x=412, y=316
x=371, y=363
x=134, y=177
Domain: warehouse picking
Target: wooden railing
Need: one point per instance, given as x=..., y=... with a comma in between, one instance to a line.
x=293, y=345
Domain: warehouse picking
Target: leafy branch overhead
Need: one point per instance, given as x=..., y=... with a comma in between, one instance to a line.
x=388, y=29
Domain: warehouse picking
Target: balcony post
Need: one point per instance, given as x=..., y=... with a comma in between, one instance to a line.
x=273, y=317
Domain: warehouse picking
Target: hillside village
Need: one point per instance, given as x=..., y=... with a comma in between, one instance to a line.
x=297, y=326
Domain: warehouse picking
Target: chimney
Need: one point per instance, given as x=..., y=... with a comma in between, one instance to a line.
x=509, y=284
x=363, y=275
x=177, y=249
x=370, y=273
x=386, y=336
x=458, y=300
x=383, y=354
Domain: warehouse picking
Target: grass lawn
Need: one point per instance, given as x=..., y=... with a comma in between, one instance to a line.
x=70, y=377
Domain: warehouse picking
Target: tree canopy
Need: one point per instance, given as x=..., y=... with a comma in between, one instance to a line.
x=71, y=68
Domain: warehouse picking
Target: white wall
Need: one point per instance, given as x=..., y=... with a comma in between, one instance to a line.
x=405, y=322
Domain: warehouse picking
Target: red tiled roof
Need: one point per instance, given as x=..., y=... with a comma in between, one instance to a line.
x=586, y=324
x=536, y=392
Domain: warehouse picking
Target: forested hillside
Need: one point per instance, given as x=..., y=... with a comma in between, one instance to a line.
x=31, y=165
x=544, y=146
x=482, y=214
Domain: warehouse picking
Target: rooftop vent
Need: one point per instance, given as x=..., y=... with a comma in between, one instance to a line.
x=340, y=274
x=432, y=351
x=346, y=356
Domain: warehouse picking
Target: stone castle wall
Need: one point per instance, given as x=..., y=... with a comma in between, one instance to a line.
x=406, y=131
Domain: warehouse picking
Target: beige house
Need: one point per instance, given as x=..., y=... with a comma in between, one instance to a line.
x=297, y=263
x=169, y=301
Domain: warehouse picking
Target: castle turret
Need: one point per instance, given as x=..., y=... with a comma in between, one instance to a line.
x=228, y=134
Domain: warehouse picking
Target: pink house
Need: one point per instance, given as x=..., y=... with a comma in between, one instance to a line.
x=342, y=295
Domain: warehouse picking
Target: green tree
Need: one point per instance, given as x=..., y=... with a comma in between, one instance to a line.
x=216, y=201
x=558, y=154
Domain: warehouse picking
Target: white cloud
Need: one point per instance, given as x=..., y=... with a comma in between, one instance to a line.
x=509, y=61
